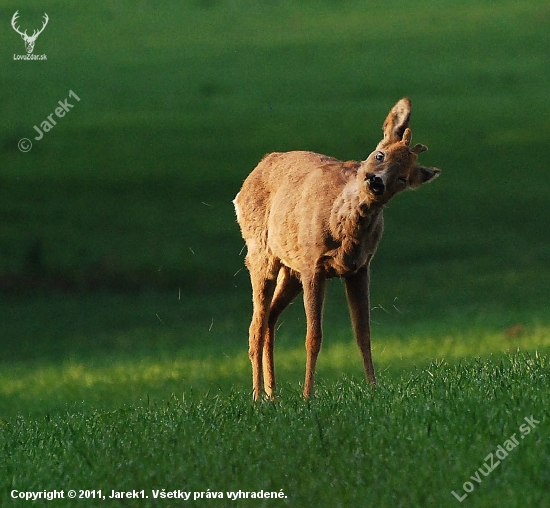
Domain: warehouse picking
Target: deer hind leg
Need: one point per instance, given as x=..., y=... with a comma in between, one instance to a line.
x=314, y=295
x=263, y=283
x=357, y=291
x=288, y=288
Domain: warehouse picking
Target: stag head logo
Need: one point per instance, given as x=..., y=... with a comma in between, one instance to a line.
x=29, y=39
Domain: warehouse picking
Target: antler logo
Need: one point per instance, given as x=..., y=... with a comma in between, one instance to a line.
x=29, y=39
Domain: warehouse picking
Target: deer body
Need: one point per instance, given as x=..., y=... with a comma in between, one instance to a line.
x=308, y=217
x=297, y=230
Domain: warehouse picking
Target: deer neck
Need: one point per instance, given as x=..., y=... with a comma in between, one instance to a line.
x=353, y=213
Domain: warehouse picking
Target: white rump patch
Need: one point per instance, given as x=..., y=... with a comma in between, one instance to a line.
x=236, y=206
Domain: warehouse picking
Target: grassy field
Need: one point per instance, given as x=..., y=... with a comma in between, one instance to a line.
x=124, y=305
x=413, y=442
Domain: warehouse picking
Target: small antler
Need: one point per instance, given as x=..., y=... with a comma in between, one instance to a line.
x=407, y=136
x=418, y=148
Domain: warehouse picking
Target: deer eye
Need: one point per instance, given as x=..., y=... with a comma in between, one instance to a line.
x=379, y=156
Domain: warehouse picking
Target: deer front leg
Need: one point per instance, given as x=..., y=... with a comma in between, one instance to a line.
x=288, y=288
x=262, y=293
x=314, y=295
x=357, y=291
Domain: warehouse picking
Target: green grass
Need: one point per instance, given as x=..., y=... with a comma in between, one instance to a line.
x=153, y=406
x=124, y=302
x=408, y=443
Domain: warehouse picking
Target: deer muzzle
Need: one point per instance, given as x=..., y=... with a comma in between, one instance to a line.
x=375, y=184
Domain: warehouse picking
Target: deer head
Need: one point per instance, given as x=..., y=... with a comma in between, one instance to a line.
x=392, y=166
x=29, y=39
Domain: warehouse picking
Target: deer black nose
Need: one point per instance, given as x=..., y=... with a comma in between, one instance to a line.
x=376, y=184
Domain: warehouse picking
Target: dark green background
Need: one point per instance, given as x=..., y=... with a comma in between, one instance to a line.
x=123, y=210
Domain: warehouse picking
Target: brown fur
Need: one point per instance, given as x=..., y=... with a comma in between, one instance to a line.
x=308, y=217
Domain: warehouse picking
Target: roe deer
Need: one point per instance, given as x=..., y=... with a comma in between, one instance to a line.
x=307, y=217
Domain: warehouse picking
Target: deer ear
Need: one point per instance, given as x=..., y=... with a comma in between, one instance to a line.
x=421, y=175
x=397, y=121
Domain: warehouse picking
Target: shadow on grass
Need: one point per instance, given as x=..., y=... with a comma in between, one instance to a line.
x=212, y=366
